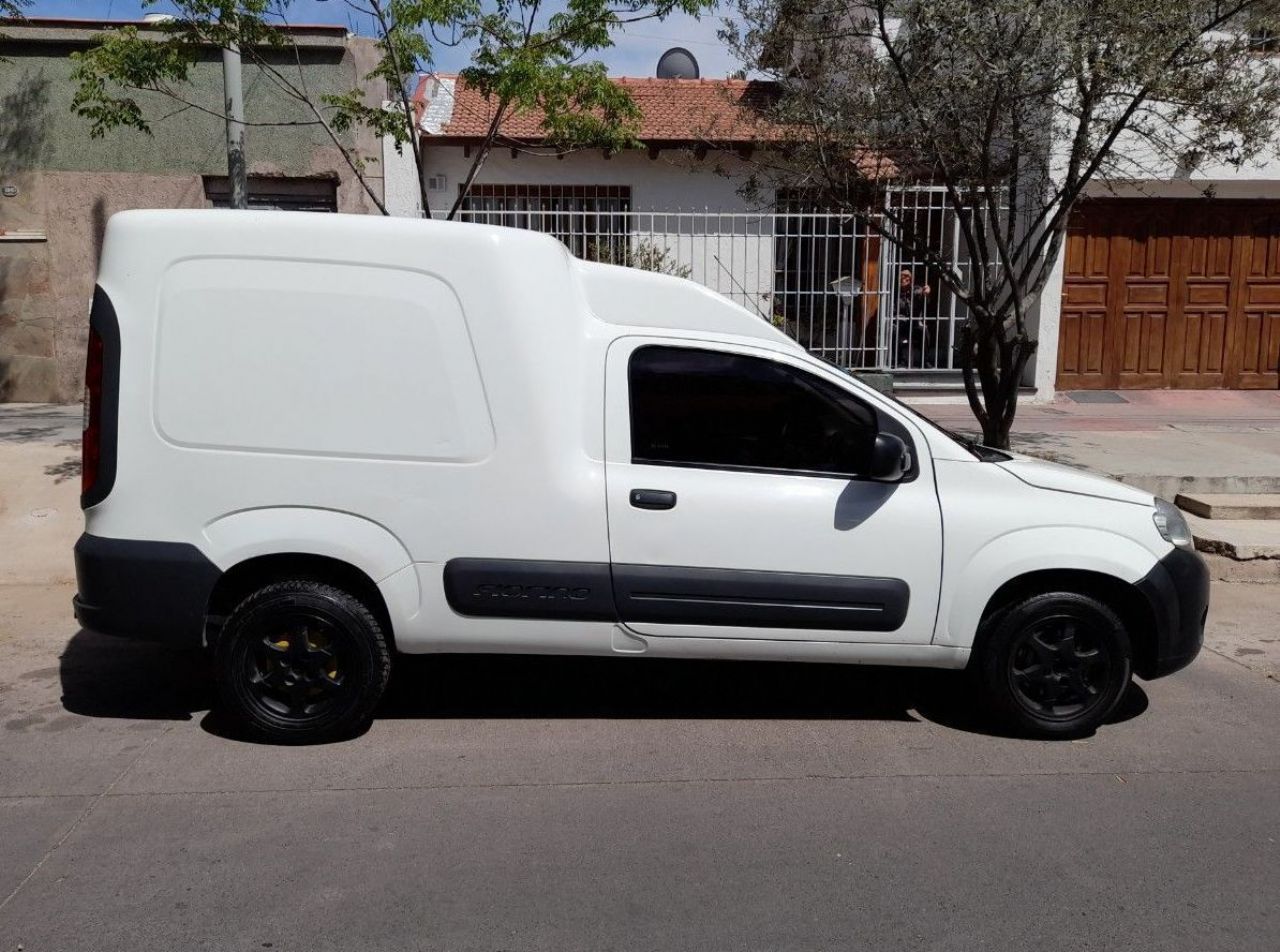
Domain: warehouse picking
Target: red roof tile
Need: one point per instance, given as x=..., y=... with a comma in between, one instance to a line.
x=671, y=110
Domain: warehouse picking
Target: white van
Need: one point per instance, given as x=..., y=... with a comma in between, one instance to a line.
x=315, y=441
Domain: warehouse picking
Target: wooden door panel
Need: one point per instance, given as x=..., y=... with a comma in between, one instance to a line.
x=1081, y=339
x=1141, y=313
x=1260, y=350
x=1177, y=293
x=1083, y=323
x=1197, y=357
x=1255, y=329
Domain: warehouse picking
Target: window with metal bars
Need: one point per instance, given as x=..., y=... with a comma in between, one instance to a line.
x=277, y=194
x=821, y=273
x=593, y=221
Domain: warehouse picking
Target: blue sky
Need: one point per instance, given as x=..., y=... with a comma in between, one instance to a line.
x=635, y=54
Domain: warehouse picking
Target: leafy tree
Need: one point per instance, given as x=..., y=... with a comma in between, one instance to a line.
x=524, y=58
x=11, y=10
x=1013, y=107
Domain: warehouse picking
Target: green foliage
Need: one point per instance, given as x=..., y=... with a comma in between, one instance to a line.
x=11, y=10
x=129, y=63
x=524, y=59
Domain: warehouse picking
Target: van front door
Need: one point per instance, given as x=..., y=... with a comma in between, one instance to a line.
x=739, y=506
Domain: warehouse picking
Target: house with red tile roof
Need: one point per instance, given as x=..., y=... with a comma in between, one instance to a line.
x=677, y=203
x=696, y=137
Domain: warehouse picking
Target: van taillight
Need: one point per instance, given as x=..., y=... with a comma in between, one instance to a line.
x=91, y=440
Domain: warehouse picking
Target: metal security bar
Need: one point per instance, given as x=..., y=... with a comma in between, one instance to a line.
x=831, y=281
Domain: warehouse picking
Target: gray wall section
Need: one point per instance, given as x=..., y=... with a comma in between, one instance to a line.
x=69, y=184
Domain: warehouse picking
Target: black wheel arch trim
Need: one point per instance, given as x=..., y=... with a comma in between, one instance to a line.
x=1177, y=592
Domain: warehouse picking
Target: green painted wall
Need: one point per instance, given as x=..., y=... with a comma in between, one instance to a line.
x=38, y=130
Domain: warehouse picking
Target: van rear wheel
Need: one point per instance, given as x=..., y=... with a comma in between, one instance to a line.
x=301, y=662
x=1057, y=664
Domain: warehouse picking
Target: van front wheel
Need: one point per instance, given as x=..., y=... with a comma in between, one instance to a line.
x=301, y=662
x=1057, y=664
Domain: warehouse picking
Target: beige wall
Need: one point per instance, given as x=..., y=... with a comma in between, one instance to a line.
x=46, y=286
x=68, y=184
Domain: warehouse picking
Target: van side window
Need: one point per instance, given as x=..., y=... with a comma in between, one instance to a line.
x=728, y=411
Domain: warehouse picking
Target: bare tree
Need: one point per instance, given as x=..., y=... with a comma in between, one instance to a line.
x=1012, y=107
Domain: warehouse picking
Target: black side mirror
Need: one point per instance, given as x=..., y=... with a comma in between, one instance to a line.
x=890, y=459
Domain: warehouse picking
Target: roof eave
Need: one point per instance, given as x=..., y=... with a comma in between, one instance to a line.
x=84, y=31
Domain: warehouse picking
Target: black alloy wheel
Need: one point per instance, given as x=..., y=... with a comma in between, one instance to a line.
x=1055, y=664
x=301, y=662
x=1060, y=667
x=297, y=670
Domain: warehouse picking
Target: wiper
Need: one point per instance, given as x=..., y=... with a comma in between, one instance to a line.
x=968, y=443
x=985, y=453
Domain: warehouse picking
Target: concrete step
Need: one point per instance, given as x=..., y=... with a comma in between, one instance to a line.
x=1231, y=505
x=1241, y=539
x=1225, y=569
x=1170, y=487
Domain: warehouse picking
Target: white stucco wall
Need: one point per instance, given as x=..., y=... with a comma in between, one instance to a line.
x=673, y=181
x=688, y=207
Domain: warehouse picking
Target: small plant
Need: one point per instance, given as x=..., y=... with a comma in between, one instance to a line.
x=644, y=255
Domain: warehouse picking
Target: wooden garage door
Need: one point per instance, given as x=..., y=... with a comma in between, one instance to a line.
x=1182, y=294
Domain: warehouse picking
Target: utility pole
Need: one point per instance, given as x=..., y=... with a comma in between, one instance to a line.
x=234, y=89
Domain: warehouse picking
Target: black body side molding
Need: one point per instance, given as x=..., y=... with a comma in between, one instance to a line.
x=673, y=595
x=524, y=588
x=681, y=595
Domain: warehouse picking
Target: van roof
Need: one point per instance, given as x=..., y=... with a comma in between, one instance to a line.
x=617, y=295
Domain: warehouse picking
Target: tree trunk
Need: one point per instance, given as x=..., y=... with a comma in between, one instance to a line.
x=992, y=367
x=1001, y=376
x=995, y=432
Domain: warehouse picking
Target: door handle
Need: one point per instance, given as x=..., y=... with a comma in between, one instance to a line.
x=653, y=499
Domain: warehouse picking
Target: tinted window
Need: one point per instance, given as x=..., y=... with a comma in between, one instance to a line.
x=704, y=408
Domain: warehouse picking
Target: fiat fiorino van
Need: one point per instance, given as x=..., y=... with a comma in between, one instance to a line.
x=313, y=442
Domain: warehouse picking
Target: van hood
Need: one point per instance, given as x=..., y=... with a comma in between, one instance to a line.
x=1067, y=479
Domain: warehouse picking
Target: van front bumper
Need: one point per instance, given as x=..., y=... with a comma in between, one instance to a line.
x=1177, y=591
x=156, y=591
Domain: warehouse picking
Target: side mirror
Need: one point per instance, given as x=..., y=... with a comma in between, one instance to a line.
x=890, y=459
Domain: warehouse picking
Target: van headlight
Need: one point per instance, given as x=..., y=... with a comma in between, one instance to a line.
x=1171, y=524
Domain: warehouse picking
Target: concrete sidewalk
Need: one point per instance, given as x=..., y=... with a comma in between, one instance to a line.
x=1167, y=442
x=1105, y=410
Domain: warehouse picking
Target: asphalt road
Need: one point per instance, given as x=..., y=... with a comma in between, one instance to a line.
x=528, y=804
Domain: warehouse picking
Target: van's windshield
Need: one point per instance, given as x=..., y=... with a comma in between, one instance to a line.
x=986, y=454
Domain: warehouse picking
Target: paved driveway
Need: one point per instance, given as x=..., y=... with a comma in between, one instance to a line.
x=529, y=804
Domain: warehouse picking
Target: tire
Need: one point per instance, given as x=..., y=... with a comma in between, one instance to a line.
x=1056, y=664
x=301, y=662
